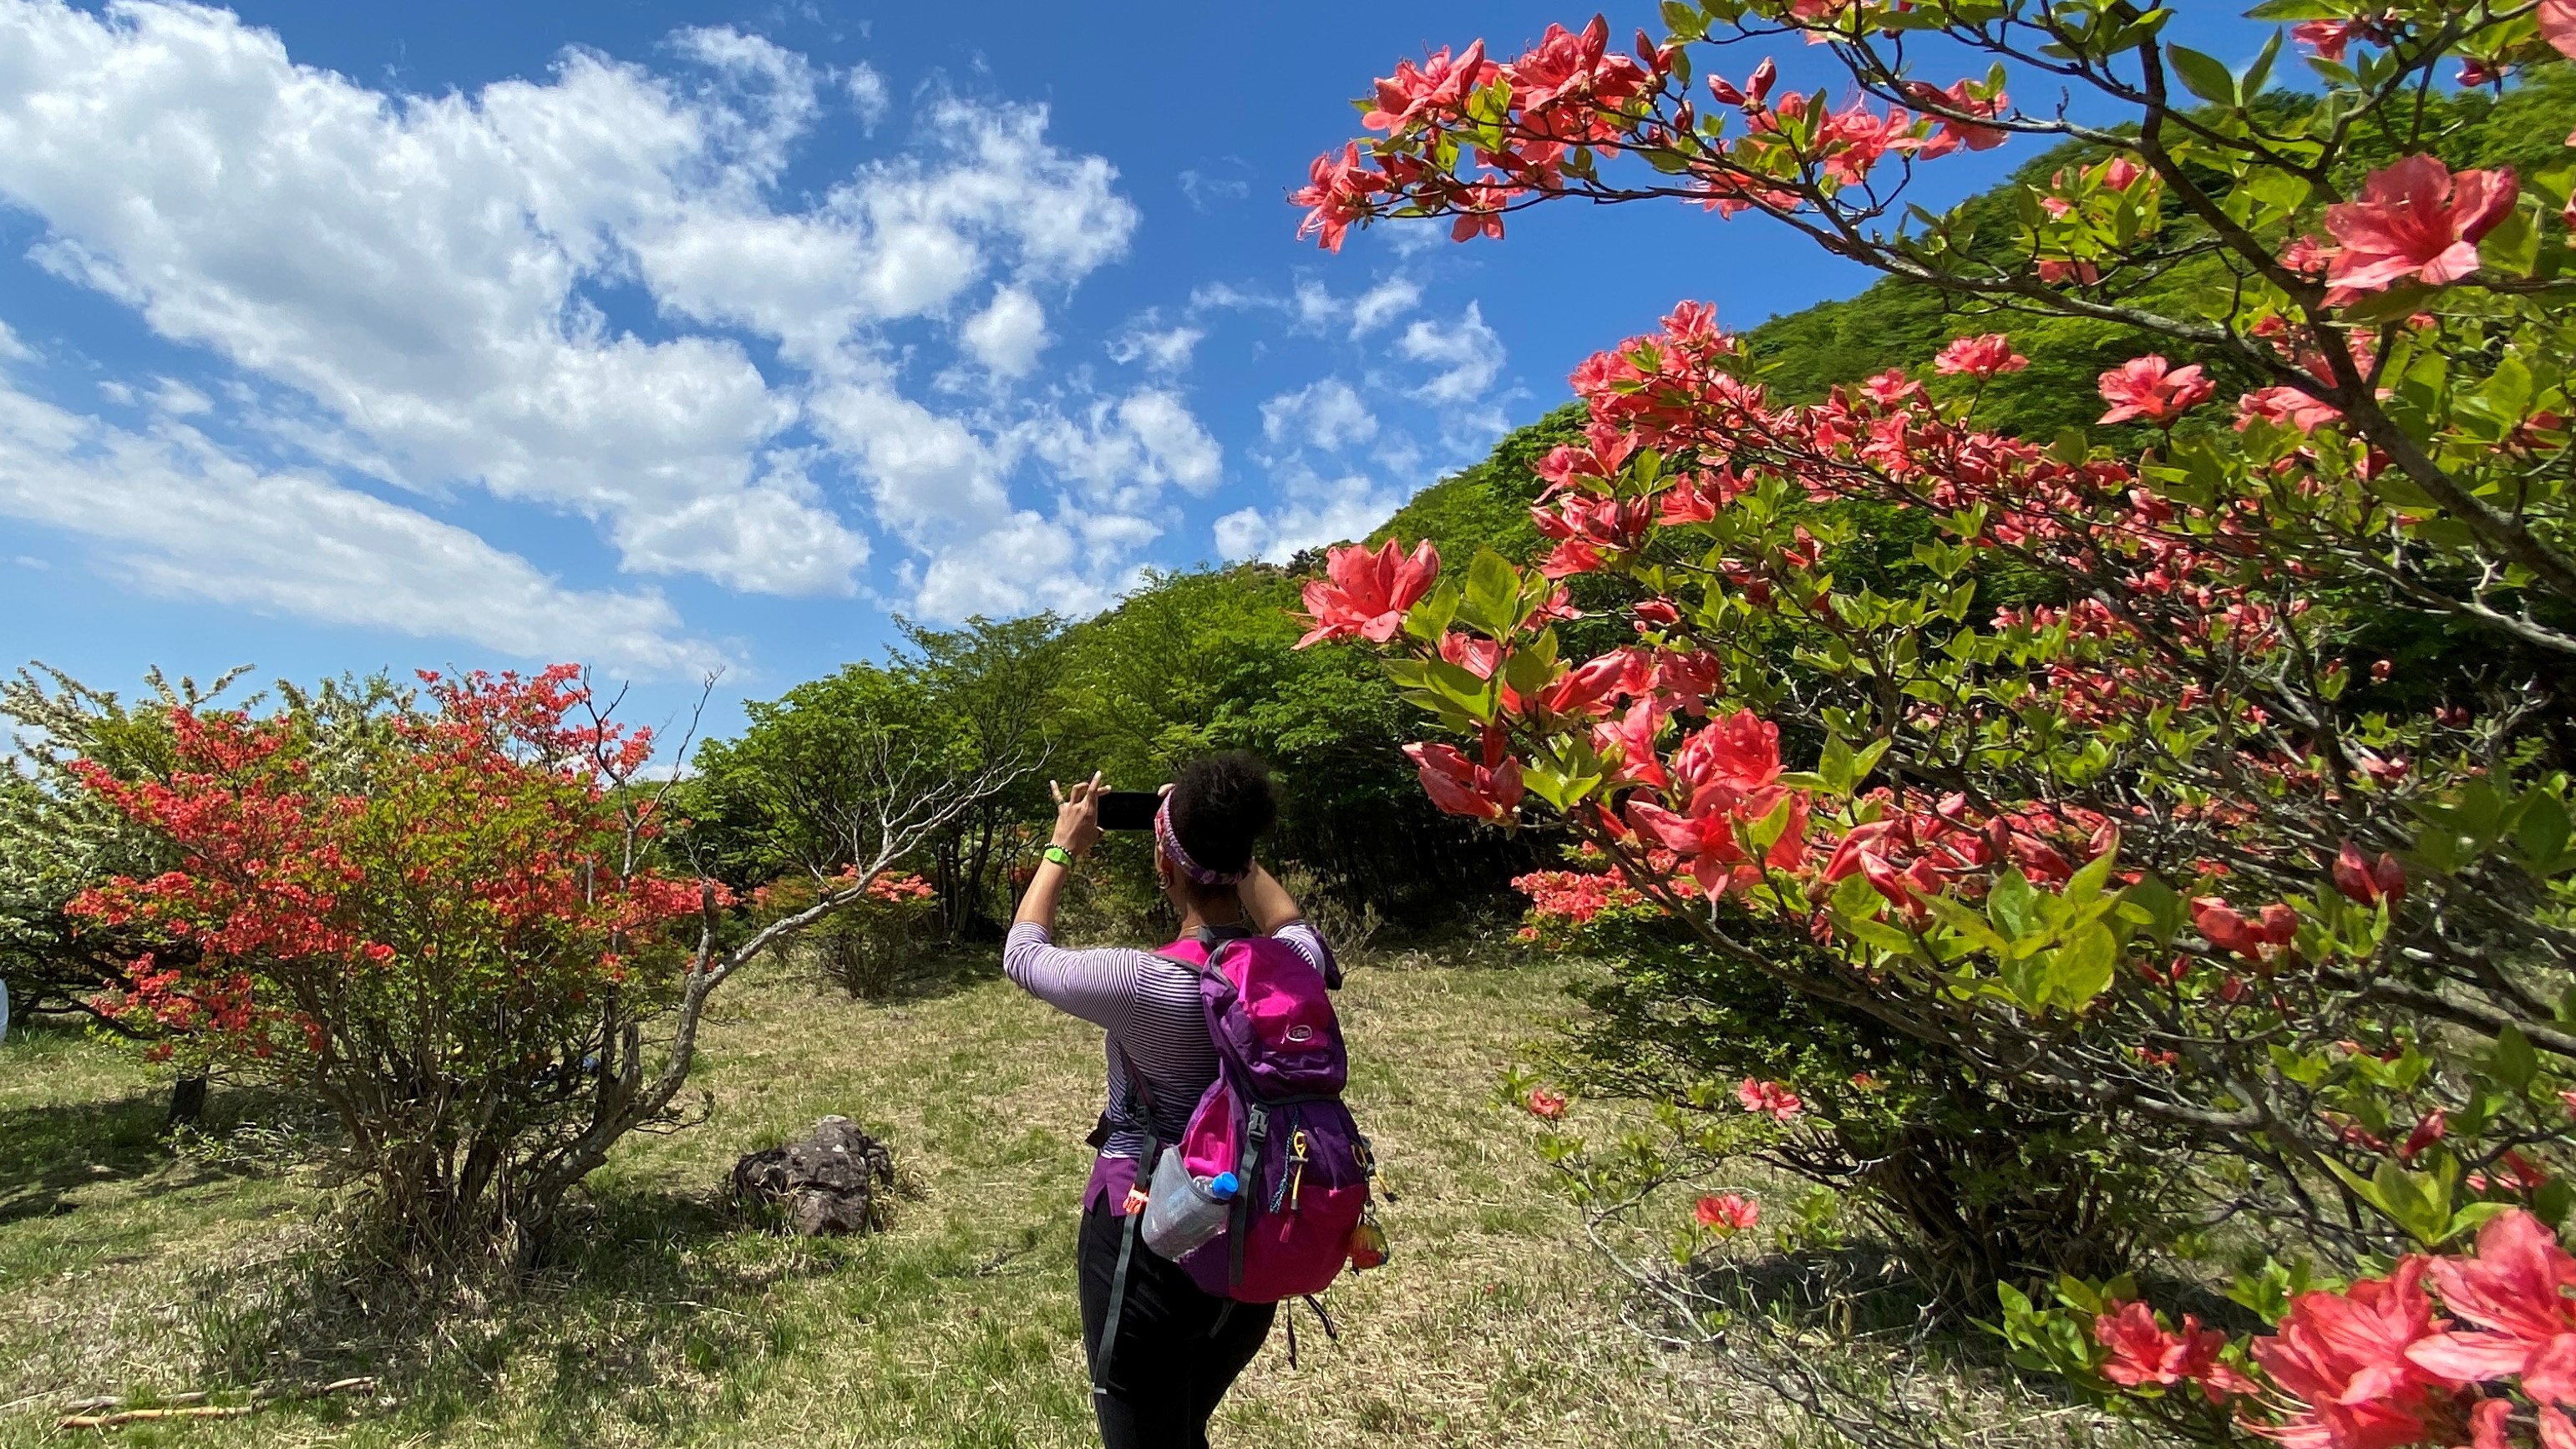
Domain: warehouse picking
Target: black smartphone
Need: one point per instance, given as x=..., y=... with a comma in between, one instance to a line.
x=1129, y=809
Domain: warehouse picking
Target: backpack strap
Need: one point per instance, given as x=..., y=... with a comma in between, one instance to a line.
x=1131, y=1223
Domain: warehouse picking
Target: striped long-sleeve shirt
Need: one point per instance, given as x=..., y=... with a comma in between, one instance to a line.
x=1149, y=1007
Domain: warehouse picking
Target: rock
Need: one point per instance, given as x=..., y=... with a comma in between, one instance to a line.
x=835, y=1181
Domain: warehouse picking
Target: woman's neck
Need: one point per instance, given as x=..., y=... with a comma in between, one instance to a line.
x=1217, y=910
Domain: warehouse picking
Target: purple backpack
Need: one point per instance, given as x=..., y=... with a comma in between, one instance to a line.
x=1274, y=1118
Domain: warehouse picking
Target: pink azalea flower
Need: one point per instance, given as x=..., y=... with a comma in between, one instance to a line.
x=2558, y=25
x=2515, y=1291
x=1547, y=1104
x=2150, y=387
x=2348, y=1358
x=2286, y=406
x=1728, y=1212
x=1365, y=594
x=2415, y=219
x=2144, y=1351
x=1461, y=786
x=1769, y=1098
x=1979, y=357
x=1336, y=194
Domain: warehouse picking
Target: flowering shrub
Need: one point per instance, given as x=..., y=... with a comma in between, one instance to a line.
x=867, y=945
x=440, y=940
x=2133, y=836
x=446, y=920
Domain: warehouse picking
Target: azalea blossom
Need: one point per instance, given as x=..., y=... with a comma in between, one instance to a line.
x=2151, y=388
x=2368, y=881
x=1546, y=1104
x=2284, y=406
x=1770, y=1099
x=1364, y=594
x=1727, y=1212
x=1490, y=790
x=2144, y=1351
x=1979, y=357
x=2514, y=1292
x=2348, y=1358
x=2415, y=219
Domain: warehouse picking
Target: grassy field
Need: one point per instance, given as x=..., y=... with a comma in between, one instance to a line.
x=130, y=1266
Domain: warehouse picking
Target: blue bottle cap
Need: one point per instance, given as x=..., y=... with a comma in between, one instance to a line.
x=1224, y=1185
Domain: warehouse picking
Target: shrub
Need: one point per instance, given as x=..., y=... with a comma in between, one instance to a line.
x=454, y=928
x=2154, y=832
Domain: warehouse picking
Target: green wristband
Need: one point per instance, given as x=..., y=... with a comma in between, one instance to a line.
x=1059, y=855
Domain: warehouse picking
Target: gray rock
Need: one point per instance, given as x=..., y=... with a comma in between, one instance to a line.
x=834, y=1181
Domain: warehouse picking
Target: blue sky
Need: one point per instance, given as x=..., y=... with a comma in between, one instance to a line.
x=691, y=337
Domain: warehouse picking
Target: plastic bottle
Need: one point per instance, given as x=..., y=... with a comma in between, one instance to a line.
x=1183, y=1212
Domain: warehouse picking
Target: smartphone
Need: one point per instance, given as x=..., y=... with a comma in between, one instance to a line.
x=1129, y=809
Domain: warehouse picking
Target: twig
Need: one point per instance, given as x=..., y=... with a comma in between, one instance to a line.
x=103, y=1413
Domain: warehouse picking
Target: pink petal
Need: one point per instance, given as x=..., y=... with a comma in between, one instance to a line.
x=2469, y=1358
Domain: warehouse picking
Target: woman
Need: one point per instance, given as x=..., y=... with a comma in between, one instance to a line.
x=1178, y=1349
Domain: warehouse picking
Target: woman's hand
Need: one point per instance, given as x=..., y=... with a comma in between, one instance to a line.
x=1077, y=815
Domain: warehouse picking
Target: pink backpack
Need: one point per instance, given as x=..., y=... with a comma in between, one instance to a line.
x=1274, y=1118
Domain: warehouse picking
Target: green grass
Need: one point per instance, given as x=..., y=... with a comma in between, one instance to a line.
x=132, y=1266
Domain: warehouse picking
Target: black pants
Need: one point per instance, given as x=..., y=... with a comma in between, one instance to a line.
x=1169, y=1370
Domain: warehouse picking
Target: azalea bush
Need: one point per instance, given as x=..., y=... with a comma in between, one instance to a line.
x=866, y=948
x=1969, y=1179
x=2102, y=794
x=457, y=922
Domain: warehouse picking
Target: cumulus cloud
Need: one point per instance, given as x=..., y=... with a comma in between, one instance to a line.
x=176, y=515
x=1159, y=348
x=1008, y=335
x=1313, y=510
x=1327, y=414
x=1310, y=306
x=869, y=94
x=409, y=279
x=1468, y=353
x=1123, y=454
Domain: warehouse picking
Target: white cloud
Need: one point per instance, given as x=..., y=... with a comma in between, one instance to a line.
x=1008, y=335
x=13, y=350
x=1382, y=304
x=1313, y=510
x=1310, y=306
x=179, y=516
x=1469, y=354
x=868, y=94
x=1327, y=414
x=1201, y=188
x=1027, y=563
x=412, y=273
x=1160, y=349
x=1124, y=453
x=178, y=399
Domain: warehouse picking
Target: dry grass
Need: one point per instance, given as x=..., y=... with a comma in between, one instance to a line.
x=129, y=1267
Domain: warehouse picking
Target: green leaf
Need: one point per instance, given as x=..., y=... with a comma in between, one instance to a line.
x=2203, y=75
x=2296, y=10
x=2514, y=1063
x=1493, y=594
x=2009, y=904
x=2513, y=246
x=2083, y=968
x=2259, y=73
x=2156, y=906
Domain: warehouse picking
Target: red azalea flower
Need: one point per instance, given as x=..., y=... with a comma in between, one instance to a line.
x=1728, y=1212
x=2415, y=219
x=1979, y=357
x=2150, y=387
x=1365, y=594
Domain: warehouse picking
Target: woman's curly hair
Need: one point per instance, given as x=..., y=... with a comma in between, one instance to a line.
x=1221, y=804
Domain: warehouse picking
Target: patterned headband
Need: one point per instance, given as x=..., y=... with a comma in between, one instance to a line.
x=1170, y=839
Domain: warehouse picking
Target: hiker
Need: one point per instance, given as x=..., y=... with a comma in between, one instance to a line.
x=1163, y=1344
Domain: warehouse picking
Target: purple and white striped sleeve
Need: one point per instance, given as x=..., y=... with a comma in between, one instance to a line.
x=1098, y=986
